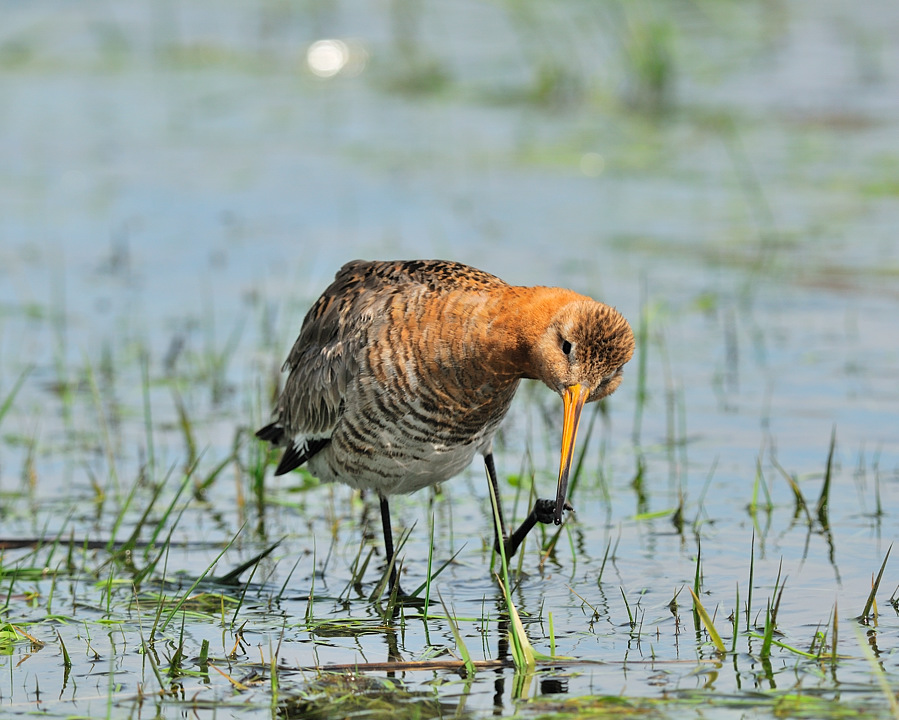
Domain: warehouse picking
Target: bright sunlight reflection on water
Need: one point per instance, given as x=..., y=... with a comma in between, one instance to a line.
x=330, y=57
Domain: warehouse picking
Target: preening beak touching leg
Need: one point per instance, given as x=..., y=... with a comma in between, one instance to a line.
x=549, y=511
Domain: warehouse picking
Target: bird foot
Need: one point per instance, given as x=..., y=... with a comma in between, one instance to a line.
x=543, y=512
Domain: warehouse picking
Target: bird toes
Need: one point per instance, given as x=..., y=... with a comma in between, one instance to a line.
x=544, y=510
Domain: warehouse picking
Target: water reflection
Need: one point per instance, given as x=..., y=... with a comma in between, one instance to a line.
x=330, y=57
x=326, y=58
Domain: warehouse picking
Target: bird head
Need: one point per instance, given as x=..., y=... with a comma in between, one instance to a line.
x=580, y=355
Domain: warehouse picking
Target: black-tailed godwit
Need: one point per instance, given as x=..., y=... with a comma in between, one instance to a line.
x=403, y=371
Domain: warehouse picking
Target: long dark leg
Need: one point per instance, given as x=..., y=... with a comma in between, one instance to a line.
x=542, y=512
x=491, y=474
x=388, y=545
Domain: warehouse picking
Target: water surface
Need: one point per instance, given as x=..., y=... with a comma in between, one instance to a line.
x=177, y=186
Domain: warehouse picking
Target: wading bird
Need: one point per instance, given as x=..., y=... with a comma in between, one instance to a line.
x=403, y=371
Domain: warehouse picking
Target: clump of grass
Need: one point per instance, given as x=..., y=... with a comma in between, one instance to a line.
x=596, y=613
x=353, y=694
x=416, y=72
x=800, y=505
x=648, y=51
x=759, y=484
x=357, y=569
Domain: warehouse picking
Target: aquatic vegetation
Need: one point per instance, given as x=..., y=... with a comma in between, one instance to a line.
x=178, y=187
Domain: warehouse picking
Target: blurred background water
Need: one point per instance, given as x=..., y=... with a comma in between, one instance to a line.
x=179, y=180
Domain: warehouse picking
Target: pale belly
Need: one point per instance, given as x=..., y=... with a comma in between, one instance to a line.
x=400, y=446
x=390, y=473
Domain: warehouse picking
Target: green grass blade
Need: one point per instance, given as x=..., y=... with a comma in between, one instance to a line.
x=771, y=641
x=708, y=624
x=733, y=645
x=385, y=577
x=243, y=594
x=11, y=395
x=552, y=636
x=835, y=637
x=148, y=415
x=432, y=576
x=470, y=668
x=768, y=637
x=798, y=499
x=824, y=497
x=874, y=586
x=233, y=576
x=642, y=356
x=878, y=671
x=66, y=660
x=168, y=511
x=627, y=606
x=430, y=565
x=751, y=579
x=186, y=595
x=522, y=651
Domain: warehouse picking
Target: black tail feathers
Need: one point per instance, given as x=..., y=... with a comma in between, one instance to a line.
x=295, y=455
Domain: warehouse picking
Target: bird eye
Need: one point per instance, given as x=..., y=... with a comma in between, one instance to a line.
x=566, y=347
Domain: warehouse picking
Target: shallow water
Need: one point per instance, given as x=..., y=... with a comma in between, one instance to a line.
x=176, y=186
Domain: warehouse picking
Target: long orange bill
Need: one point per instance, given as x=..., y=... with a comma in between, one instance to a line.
x=574, y=397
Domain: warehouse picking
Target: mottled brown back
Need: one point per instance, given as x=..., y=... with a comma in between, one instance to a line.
x=325, y=356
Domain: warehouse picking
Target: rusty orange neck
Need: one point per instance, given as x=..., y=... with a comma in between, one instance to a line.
x=516, y=320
